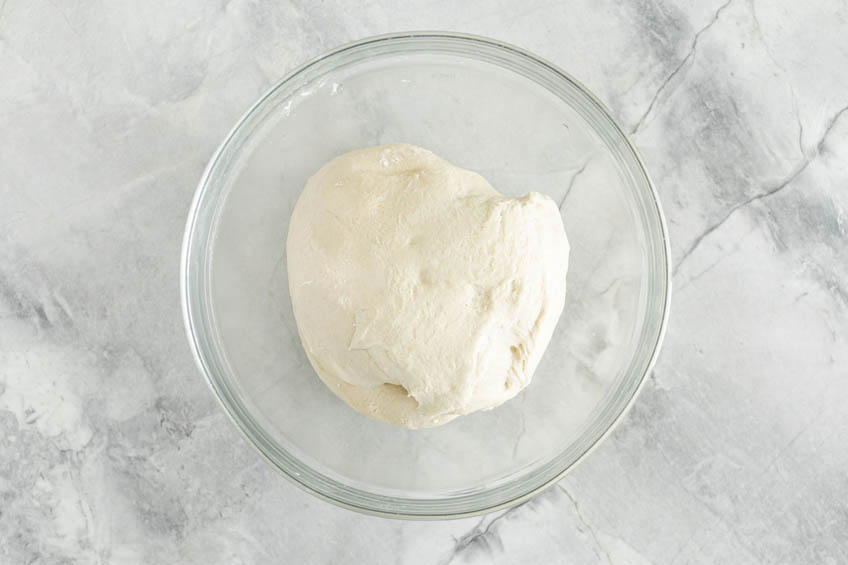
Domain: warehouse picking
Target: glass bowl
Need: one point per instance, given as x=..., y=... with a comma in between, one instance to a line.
x=483, y=105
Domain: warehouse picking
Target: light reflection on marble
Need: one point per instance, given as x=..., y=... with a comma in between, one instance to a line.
x=113, y=449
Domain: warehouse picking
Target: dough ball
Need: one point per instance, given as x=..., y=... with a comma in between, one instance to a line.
x=420, y=292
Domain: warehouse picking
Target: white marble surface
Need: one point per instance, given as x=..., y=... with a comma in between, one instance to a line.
x=112, y=450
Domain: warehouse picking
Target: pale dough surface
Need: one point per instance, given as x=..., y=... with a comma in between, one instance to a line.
x=420, y=292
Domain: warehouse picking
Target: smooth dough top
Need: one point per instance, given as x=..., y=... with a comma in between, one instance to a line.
x=420, y=292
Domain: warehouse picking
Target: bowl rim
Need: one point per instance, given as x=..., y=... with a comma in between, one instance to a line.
x=194, y=209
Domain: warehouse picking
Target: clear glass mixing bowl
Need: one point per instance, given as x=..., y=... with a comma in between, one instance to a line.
x=485, y=106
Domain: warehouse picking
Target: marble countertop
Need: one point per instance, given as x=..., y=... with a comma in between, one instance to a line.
x=112, y=450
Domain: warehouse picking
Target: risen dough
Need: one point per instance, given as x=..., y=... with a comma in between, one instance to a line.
x=420, y=293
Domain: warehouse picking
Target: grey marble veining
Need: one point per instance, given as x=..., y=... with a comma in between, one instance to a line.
x=113, y=451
